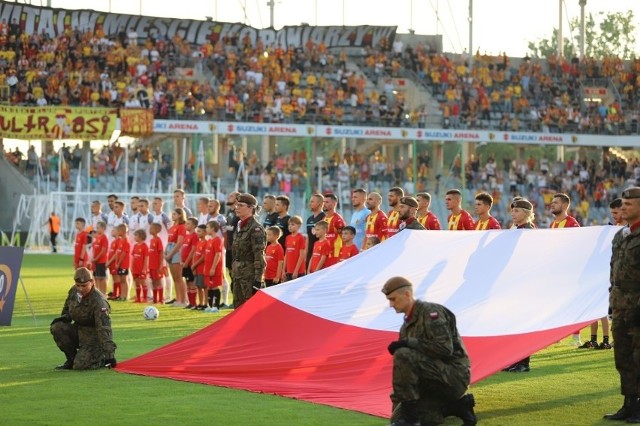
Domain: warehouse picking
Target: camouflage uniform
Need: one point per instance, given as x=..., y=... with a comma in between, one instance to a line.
x=412, y=223
x=434, y=369
x=248, y=248
x=87, y=341
x=625, y=304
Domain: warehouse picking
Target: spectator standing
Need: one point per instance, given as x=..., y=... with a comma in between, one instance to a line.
x=54, y=230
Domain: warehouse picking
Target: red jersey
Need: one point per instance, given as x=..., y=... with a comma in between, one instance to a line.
x=393, y=223
x=336, y=223
x=81, y=242
x=139, y=254
x=320, y=248
x=430, y=222
x=201, y=246
x=177, y=230
x=123, y=249
x=188, y=243
x=273, y=254
x=461, y=222
x=155, y=253
x=375, y=226
x=100, y=244
x=490, y=223
x=113, y=248
x=295, y=244
x=348, y=251
x=567, y=222
x=213, y=247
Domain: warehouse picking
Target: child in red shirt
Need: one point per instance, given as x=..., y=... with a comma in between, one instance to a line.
x=100, y=248
x=111, y=265
x=80, y=256
x=348, y=249
x=197, y=266
x=140, y=264
x=213, y=261
x=156, y=262
x=274, y=256
x=188, y=248
x=321, y=248
x=123, y=259
x=296, y=254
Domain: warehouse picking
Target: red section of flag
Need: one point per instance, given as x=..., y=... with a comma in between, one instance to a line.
x=271, y=347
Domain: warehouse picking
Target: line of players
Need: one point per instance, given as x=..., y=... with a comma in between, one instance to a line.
x=327, y=233
x=156, y=251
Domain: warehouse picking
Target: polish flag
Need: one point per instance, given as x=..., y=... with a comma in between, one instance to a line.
x=323, y=338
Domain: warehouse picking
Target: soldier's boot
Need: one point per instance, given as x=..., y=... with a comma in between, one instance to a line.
x=68, y=364
x=629, y=408
x=462, y=408
x=409, y=414
x=635, y=415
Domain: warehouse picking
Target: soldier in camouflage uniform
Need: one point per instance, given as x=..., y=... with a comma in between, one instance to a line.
x=248, y=248
x=83, y=332
x=624, y=301
x=431, y=370
x=407, y=210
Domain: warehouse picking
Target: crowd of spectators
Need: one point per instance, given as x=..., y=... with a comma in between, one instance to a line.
x=233, y=79
x=532, y=94
x=237, y=80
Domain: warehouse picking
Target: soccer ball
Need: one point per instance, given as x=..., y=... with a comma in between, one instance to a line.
x=151, y=313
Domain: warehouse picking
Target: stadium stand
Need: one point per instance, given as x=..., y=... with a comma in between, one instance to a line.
x=234, y=80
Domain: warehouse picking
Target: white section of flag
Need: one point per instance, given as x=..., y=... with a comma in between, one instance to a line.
x=496, y=282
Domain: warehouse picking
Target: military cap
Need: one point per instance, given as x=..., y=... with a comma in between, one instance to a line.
x=633, y=192
x=394, y=284
x=248, y=199
x=522, y=204
x=409, y=201
x=82, y=275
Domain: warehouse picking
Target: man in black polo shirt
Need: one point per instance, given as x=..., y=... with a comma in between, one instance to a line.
x=269, y=208
x=317, y=214
x=282, y=222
